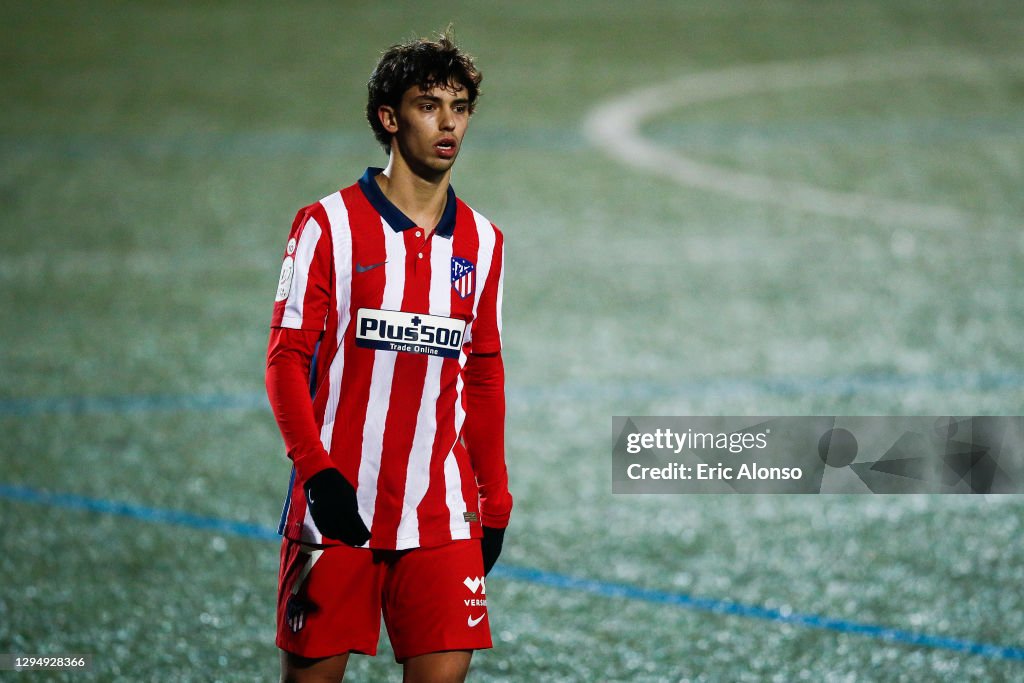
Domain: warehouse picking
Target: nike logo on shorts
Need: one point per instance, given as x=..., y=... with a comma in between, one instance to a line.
x=473, y=622
x=360, y=268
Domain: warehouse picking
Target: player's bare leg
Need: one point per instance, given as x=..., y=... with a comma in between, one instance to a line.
x=438, y=667
x=296, y=669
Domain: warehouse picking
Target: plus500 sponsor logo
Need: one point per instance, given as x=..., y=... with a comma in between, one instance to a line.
x=431, y=335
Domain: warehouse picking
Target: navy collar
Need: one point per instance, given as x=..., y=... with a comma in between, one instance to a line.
x=394, y=216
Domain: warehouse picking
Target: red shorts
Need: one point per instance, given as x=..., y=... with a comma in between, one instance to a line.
x=330, y=601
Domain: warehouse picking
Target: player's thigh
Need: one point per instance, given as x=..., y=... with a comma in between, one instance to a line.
x=435, y=600
x=329, y=601
x=296, y=669
x=437, y=667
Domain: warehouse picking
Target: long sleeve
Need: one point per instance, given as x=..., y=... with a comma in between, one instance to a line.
x=289, y=355
x=484, y=434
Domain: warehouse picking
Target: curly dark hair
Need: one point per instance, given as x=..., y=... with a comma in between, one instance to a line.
x=424, y=63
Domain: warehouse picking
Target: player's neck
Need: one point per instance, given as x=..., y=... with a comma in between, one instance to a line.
x=421, y=199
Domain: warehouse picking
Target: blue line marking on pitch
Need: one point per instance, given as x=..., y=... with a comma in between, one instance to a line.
x=713, y=387
x=536, y=576
x=305, y=143
x=140, y=512
x=718, y=606
x=88, y=405
x=271, y=144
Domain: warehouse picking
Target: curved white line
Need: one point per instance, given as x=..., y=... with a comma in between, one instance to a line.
x=614, y=127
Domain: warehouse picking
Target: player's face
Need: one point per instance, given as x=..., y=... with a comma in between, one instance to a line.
x=429, y=127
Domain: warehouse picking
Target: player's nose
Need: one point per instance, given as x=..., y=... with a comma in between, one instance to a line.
x=447, y=119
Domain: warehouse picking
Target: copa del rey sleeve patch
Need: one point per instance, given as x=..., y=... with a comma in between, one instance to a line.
x=284, y=283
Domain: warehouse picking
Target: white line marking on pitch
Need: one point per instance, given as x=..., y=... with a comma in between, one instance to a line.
x=615, y=128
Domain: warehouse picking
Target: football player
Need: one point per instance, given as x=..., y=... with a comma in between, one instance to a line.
x=385, y=376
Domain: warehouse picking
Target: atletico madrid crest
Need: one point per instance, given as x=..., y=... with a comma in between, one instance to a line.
x=463, y=276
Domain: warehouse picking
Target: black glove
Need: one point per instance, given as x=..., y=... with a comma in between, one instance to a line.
x=332, y=503
x=491, y=546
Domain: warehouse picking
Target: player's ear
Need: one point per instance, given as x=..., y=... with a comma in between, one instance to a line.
x=388, y=118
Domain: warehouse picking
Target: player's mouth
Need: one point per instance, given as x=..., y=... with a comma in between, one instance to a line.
x=446, y=148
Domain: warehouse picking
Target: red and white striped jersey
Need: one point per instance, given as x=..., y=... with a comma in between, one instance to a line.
x=399, y=310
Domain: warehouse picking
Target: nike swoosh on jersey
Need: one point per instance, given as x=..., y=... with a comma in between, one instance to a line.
x=360, y=268
x=473, y=622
